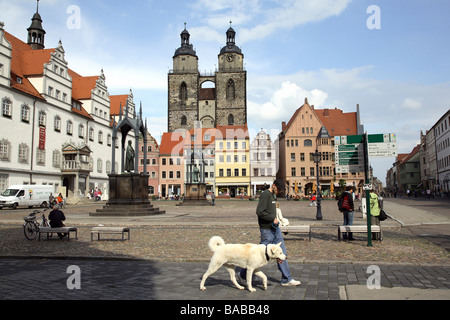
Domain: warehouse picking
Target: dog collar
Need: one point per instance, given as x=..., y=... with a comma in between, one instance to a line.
x=267, y=255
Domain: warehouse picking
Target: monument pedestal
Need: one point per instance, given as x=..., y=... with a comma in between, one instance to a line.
x=128, y=196
x=195, y=195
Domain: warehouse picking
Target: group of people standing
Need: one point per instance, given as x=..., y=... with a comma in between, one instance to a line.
x=347, y=208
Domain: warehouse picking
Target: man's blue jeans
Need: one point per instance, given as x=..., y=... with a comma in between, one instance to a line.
x=274, y=236
x=348, y=221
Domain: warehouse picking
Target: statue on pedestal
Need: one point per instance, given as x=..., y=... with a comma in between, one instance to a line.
x=129, y=160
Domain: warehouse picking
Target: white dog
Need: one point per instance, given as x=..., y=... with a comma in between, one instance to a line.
x=249, y=256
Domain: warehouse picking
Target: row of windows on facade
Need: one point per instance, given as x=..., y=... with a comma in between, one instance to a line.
x=230, y=92
x=440, y=129
x=326, y=156
x=443, y=145
x=42, y=120
x=307, y=142
x=323, y=171
x=261, y=172
x=24, y=158
x=444, y=163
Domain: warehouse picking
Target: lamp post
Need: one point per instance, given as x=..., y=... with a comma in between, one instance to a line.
x=317, y=156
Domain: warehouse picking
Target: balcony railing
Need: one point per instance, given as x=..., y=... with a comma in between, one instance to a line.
x=73, y=165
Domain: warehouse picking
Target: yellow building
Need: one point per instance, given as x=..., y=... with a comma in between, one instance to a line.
x=232, y=162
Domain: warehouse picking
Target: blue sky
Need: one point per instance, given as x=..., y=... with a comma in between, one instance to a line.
x=320, y=49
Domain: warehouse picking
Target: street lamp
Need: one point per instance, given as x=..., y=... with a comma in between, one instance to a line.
x=317, y=156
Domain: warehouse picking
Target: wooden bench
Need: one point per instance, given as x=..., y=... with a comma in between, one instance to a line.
x=296, y=229
x=110, y=230
x=64, y=230
x=359, y=229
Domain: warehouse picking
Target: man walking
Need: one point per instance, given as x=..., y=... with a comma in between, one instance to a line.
x=270, y=231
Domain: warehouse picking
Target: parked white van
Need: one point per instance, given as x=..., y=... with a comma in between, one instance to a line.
x=26, y=196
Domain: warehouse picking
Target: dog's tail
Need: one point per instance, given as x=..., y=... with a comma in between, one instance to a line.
x=215, y=242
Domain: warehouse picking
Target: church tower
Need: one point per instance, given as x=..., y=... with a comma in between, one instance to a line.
x=183, y=86
x=36, y=33
x=190, y=100
x=231, y=84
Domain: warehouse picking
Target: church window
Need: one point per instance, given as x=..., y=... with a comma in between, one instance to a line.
x=183, y=92
x=230, y=120
x=230, y=90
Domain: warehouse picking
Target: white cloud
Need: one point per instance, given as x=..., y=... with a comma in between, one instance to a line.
x=412, y=104
x=275, y=15
x=282, y=105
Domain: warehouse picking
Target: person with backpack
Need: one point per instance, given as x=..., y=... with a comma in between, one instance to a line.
x=375, y=209
x=346, y=206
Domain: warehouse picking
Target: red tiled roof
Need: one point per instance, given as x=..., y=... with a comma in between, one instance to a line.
x=82, y=87
x=231, y=132
x=115, y=103
x=412, y=154
x=337, y=122
x=16, y=67
x=172, y=143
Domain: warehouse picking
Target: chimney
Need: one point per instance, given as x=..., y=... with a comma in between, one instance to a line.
x=326, y=112
x=283, y=125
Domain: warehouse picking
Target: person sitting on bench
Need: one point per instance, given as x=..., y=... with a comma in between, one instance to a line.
x=56, y=218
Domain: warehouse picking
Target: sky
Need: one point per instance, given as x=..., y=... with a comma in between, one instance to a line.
x=392, y=57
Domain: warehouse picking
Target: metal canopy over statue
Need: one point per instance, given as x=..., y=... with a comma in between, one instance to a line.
x=128, y=190
x=195, y=191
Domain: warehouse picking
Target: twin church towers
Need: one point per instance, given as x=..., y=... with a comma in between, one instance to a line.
x=218, y=99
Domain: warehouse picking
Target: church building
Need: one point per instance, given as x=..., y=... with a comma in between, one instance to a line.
x=217, y=99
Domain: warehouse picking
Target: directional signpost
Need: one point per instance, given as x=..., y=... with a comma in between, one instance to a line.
x=352, y=155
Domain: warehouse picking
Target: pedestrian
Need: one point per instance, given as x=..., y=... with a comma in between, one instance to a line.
x=313, y=201
x=375, y=209
x=213, y=198
x=96, y=194
x=346, y=206
x=51, y=198
x=56, y=218
x=270, y=231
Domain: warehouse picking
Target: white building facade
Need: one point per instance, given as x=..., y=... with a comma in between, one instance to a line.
x=442, y=135
x=55, y=125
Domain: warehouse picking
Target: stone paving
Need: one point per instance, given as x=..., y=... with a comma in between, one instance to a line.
x=167, y=256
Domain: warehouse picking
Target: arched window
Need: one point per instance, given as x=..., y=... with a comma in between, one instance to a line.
x=183, y=121
x=42, y=119
x=230, y=90
x=308, y=143
x=230, y=120
x=183, y=92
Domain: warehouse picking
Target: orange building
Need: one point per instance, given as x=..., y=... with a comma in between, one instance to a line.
x=298, y=142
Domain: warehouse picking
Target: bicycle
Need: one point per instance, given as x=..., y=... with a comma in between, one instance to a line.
x=31, y=225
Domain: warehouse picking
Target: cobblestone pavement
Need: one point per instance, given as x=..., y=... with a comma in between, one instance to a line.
x=167, y=255
x=30, y=279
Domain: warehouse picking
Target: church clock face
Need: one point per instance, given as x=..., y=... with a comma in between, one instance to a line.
x=230, y=57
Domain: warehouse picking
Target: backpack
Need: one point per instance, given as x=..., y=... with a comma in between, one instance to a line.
x=343, y=203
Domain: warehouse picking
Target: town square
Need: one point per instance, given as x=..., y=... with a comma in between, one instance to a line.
x=133, y=137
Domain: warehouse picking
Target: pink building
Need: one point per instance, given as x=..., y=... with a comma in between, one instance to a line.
x=152, y=163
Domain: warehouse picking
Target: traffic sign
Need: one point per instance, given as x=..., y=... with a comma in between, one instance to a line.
x=349, y=154
x=383, y=145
